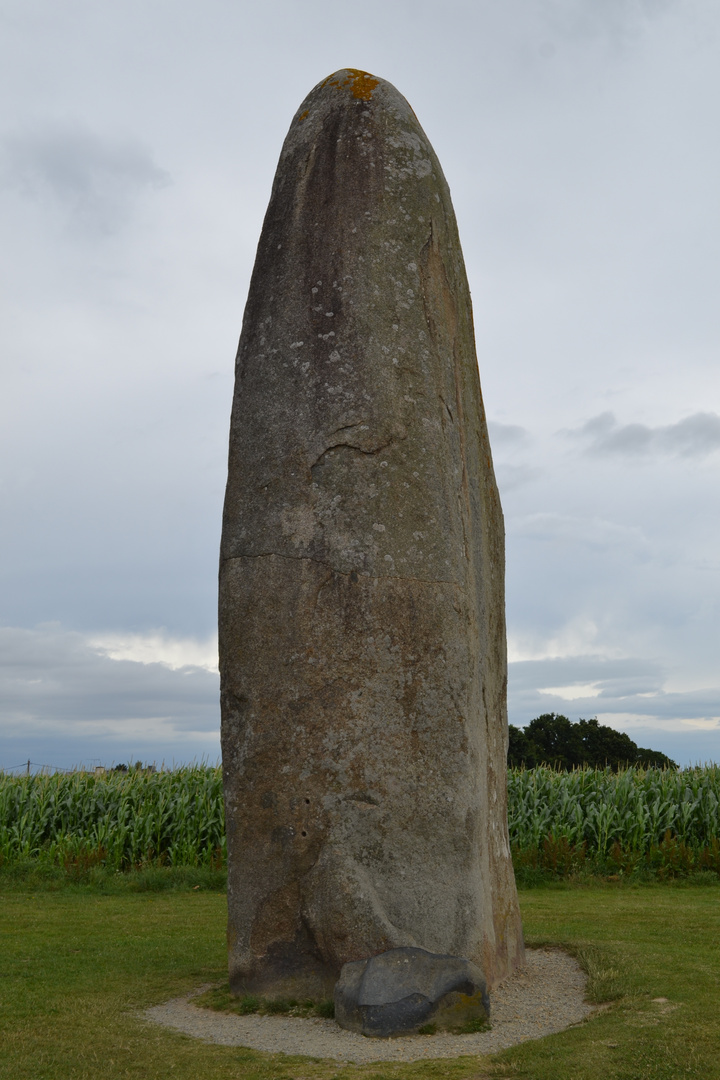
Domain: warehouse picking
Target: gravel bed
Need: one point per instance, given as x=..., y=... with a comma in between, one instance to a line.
x=545, y=996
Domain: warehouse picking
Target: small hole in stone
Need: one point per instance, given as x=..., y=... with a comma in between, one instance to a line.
x=307, y=801
x=303, y=833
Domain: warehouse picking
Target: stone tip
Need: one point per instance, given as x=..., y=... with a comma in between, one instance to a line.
x=360, y=83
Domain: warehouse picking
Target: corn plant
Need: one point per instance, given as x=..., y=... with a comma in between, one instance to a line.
x=667, y=818
x=597, y=810
x=125, y=819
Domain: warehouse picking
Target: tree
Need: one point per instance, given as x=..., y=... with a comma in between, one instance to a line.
x=653, y=759
x=552, y=739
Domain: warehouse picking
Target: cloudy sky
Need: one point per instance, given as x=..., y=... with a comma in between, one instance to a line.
x=138, y=142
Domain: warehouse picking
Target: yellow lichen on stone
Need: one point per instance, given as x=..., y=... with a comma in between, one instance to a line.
x=460, y=1009
x=361, y=83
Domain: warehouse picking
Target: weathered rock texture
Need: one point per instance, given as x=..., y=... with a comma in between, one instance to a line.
x=362, y=633
x=400, y=991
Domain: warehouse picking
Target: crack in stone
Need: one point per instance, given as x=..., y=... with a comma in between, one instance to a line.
x=350, y=446
x=323, y=583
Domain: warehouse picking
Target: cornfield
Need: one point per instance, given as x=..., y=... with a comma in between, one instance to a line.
x=122, y=819
x=635, y=807
x=664, y=820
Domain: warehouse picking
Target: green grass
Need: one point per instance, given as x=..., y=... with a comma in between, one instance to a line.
x=77, y=968
x=37, y=875
x=639, y=944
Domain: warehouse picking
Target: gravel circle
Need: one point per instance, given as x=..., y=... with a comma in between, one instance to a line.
x=545, y=996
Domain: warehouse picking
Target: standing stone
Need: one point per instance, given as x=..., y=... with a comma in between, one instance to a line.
x=362, y=628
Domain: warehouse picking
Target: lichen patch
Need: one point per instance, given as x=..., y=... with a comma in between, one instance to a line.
x=360, y=82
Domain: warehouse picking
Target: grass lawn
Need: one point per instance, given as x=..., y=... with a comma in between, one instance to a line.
x=77, y=967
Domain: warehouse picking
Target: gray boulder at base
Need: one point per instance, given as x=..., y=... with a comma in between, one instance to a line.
x=399, y=991
x=362, y=627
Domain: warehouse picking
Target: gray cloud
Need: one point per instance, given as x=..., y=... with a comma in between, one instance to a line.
x=694, y=436
x=627, y=687
x=56, y=688
x=93, y=180
x=618, y=22
x=510, y=441
x=626, y=694
x=576, y=149
x=506, y=435
x=592, y=532
x=510, y=477
x=644, y=675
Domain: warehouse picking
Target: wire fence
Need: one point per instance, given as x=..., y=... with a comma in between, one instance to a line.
x=26, y=766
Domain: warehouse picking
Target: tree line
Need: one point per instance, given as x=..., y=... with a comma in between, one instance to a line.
x=552, y=739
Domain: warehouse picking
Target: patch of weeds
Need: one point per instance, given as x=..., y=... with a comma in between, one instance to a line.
x=472, y=1027
x=531, y=877
x=220, y=999
x=642, y=876
x=86, y=876
x=248, y=1004
x=278, y=1007
x=165, y=878
x=669, y=860
x=585, y=878
x=79, y=864
x=704, y=877
x=427, y=1029
x=605, y=983
x=148, y=879
x=326, y=1009
x=32, y=875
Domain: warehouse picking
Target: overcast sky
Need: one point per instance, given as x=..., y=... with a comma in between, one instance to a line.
x=138, y=141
